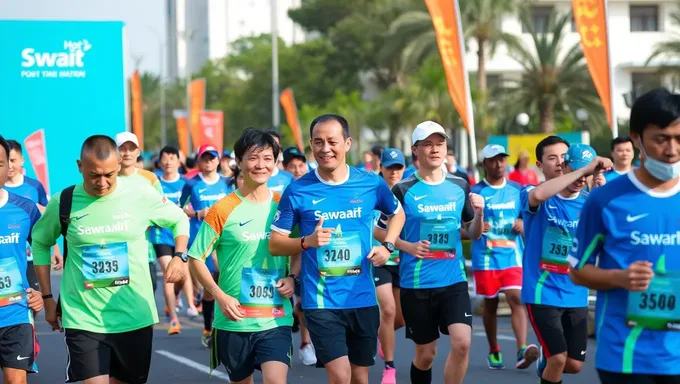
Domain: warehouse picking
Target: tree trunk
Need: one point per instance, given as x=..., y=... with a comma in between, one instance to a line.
x=547, y=116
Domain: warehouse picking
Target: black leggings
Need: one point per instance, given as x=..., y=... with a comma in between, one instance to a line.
x=623, y=378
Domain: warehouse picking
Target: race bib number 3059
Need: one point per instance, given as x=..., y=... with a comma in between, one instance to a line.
x=259, y=296
x=106, y=265
x=11, y=282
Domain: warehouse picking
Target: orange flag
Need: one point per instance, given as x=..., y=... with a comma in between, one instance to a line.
x=196, y=105
x=212, y=129
x=137, y=112
x=182, y=130
x=288, y=103
x=591, y=21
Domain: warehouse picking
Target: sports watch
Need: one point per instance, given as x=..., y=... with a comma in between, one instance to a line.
x=389, y=246
x=182, y=256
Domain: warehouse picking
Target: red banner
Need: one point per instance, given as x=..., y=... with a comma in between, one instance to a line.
x=137, y=112
x=196, y=105
x=288, y=103
x=212, y=129
x=37, y=154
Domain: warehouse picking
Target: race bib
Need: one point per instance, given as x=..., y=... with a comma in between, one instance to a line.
x=342, y=257
x=106, y=265
x=556, y=246
x=259, y=297
x=657, y=307
x=443, y=236
x=11, y=282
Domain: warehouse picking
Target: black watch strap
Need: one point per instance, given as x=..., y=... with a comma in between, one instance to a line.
x=182, y=255
x=45, y=297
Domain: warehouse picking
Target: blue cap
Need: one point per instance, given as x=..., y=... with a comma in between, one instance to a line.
x=228, y=153
x=392, y=156
x=579, y=155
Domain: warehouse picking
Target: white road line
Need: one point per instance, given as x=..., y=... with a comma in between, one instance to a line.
x=192, y=364
x=500, y=337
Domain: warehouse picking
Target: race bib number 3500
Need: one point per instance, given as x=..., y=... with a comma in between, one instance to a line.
x=657, y=308
x=259, y=296
x=342, y=257
x=11, y=282
x=106, y=265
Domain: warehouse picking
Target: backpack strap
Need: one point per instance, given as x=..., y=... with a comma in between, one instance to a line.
x=65, y=205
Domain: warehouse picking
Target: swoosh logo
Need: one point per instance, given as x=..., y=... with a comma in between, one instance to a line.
x=488, y=198
x=315, y=202
x=631, y=219
x=22, y=358
x=416, y=198
x=466, y=315
x=244, y=223
x=76, y=218
x=552, y=207
x=202, y=190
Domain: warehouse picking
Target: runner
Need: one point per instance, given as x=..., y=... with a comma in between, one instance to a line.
x=164, y=243
x=226, y=163
x=497, y=256
x=20, y=303
x=413, y=168
x=106, y=301
x=280, y=178
x=434, y=288
x=198, y=195
x=295, y=162
x=277, y=137
x=558, y=309
x=631, y=226
x=252, y=329
x=386, y=277
x=338, y=294
x=623, y=154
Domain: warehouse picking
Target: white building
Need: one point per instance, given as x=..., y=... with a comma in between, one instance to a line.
x=201, y=30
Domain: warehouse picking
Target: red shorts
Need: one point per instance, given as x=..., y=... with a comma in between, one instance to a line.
x=490, y=283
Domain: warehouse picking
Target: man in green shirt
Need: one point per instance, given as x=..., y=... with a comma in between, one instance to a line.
x=252, y=328
x=107, y=303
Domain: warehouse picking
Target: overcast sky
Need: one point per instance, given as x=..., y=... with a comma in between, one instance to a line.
x=144, y=19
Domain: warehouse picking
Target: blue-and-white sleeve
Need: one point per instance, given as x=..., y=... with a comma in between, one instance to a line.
x=590, y=235
x=186, y=193
x=34, y=215
x=386, y=203
x=42, y=195
x=287, y=216
x=524, y=200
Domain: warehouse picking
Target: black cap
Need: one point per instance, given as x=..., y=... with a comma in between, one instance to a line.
x=291, y=153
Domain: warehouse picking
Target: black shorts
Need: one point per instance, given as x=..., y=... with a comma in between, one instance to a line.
x=429, y=311
x=125, y=356
x=625, y=378
x=387, y=274
x=243, y=352
x=560, y=330
x=18, y=347
x=344, y=332
x=32, y=277
x=163, y=250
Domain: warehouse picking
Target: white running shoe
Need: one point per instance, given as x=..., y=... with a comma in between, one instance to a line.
x=308, y=355
x=192, y=312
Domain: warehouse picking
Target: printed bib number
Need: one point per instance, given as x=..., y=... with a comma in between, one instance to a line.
x=259, y=297
x=657, y=308
x=11, y=282
x=442, y=235
x=106, y=265
x=342, y=257
x=556, y=246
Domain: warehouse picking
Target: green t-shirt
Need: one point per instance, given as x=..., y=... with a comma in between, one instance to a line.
x=106, y=287
x=239, y=231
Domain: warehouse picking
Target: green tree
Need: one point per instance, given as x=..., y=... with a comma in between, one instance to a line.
x=175, y=98
x=669, y=49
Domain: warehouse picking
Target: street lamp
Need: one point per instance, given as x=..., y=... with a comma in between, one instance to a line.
x=582, y=116
x=522, y=120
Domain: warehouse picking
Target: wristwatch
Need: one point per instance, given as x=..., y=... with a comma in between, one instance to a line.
x=182, y=256
x=389, y=246
x=296, y=279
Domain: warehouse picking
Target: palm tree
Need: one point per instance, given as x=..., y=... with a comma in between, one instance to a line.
x=552, y=82
x=669, y=49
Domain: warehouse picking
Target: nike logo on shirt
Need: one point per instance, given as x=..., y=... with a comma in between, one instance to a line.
x=76, y=218
x=416, y=198
x=244, y=223
x=631, y=219
x=315, y=202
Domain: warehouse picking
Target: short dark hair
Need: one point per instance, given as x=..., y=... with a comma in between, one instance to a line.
x=234, y=177
x=102, y=146
x=330, y=117
x=548, y=142
x=377, y=150
x=657, y=107
x=5, y=146
x=14, y=146
x=170, y=150
x=140, y=158
x=274, y=133
x=254, y=137
x=621, y=140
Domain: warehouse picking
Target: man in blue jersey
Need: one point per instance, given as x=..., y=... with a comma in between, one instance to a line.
x=295, y=162
x=333, y=207
x=164, y=242
x=434, y=288
x=18, y=301
x=198, y=195
x=32, y=189
x=627, y=248
x=623, y=154
x=558, y=309
x=497, y=256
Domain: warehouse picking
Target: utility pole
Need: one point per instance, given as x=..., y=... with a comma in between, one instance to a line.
x=276, y=119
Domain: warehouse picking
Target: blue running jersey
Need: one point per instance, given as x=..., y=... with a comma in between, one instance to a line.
x=172, y=190
x=338, y=275
x=434, y=212
x=17, y=218
x=612, y=174
x=500, y=248
x=624, y=222
x=31, y=189
x=280, y=180
x=549, y=230
x=201, y=195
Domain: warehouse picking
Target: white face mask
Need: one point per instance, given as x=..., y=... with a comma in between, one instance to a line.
x=659, y=169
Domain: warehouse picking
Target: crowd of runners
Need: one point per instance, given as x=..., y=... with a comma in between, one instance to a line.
x=263, y=242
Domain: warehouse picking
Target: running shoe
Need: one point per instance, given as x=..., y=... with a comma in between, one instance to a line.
x=540, y=366
x=175, y=327
x=389, y=376
x=307, y=354
x=526, y=356
x=206, y=339
x=192, y=312
x=495, y=360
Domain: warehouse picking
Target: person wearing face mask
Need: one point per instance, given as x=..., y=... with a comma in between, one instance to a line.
x=557, y=308
x=627, y=247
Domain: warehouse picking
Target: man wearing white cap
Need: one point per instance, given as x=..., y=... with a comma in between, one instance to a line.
x=497, y=256
x=434, y=289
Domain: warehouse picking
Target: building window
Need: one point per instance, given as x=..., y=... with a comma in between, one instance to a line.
x=644, y=18
x=643, y=82
x=540, y=16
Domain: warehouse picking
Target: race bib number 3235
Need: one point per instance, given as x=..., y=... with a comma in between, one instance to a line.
x=106, y=265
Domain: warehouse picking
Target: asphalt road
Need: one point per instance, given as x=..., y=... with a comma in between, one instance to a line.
x=182, y=359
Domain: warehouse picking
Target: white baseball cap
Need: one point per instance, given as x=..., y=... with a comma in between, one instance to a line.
x=493, y=150
x=425, y=129
x=124, y=137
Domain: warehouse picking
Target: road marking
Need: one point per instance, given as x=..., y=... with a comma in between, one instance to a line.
x=500, y=337
x=192, y=364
